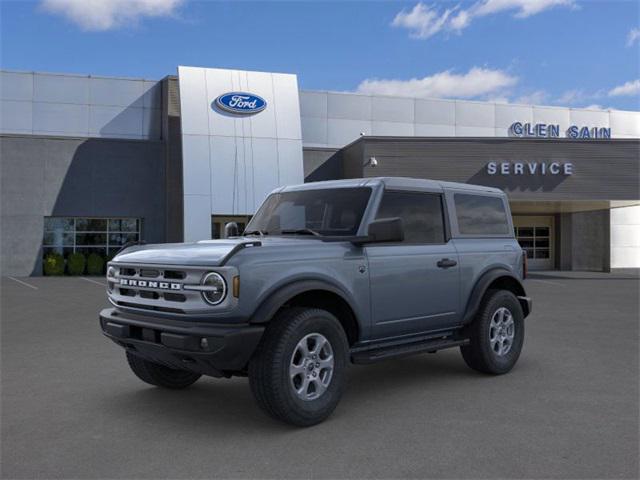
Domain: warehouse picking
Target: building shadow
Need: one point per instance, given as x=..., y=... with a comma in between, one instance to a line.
x=525, y=182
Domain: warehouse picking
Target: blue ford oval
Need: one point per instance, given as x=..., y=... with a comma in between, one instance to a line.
x=241, y=103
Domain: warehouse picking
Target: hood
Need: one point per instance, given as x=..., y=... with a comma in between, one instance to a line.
x=203, y=253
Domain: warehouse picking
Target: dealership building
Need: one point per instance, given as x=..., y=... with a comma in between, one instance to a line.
x=89, y=163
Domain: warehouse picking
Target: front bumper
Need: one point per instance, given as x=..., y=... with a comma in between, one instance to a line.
x=179, y=344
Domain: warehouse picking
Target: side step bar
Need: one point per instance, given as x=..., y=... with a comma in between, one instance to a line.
x=376, y=354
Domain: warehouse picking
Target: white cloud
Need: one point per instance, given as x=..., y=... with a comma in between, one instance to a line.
x=595, y=106
x=571, y=97
x=475, y=83
x=538, y=97
x=423, y=21
x=524, y=8
x=99, y=15
x=633, y=36
x=629, y=88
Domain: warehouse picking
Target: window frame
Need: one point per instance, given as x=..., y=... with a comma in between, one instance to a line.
x=75, y=247
x=450, y=196
x=443, y=211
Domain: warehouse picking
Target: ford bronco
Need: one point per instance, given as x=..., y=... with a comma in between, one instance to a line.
x=324, y=275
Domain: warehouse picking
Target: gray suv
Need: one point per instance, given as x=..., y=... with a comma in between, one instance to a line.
x=326, y=274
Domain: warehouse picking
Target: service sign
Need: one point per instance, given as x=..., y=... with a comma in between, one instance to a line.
x=240, y=103
x=530, y=168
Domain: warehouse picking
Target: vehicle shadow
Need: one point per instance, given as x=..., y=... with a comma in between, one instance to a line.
x=230, y=406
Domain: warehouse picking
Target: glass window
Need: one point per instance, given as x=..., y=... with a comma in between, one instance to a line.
x=91, y=239
x=57, y=237
x=481, y=215
x=421, y=215
x=525, y=232
x=58, y=224
x=65, y=235
x=332, y=211
x=91, y=225
x=123, y=225
x=218, y=223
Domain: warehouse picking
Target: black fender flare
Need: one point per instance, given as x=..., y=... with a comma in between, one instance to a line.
x=275, y=300
x=482, y=285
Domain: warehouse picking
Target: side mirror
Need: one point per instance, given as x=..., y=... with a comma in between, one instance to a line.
x=231, y=230
x=386, y=230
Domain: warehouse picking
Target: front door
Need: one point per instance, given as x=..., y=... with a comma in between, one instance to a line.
x=415, y=283
x=535, y=235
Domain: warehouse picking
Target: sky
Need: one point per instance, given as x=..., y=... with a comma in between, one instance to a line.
x=545, y=52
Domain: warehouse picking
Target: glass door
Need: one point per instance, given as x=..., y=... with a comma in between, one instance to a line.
x=535, y=235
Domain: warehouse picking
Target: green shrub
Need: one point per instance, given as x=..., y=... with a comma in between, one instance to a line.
x=53, y=264
x=76, y=263
x=95, y=264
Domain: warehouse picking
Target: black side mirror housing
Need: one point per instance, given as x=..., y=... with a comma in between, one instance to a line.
x=231, y=230
x=385, y=230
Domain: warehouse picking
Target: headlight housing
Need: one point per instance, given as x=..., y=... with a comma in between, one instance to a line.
x=216, y=290
x=111, y=273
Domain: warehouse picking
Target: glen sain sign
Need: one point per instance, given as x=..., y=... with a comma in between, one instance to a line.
x=240, y=103
x=545, y=130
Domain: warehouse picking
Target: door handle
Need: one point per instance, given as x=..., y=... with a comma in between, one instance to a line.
x=446, y=263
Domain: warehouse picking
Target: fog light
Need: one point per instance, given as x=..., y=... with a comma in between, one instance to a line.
x=204, y=343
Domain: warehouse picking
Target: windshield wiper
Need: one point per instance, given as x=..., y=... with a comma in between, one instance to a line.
x=302, y=231
x=255, y=232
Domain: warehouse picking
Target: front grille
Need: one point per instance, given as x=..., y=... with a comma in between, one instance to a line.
x=175, y=297
x=174, y=274
x=157, y=288
x=162, y=288
x=144, y=272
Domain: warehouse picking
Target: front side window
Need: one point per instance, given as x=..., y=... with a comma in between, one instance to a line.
x=329, y=212
x=421, y=215
x=481, y=215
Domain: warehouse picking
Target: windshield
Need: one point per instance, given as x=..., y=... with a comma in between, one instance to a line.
x=331, y=212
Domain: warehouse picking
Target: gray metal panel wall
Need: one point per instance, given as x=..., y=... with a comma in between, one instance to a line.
x=590, y=234
x=603, y=170
x=46, y=176
x=321, y=164
x=172, y=134
x=79, y=106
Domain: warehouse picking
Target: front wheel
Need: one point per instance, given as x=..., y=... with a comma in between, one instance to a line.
x=496, y=334
x=297, y=374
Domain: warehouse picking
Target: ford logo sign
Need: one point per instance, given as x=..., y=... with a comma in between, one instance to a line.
x=240, y=103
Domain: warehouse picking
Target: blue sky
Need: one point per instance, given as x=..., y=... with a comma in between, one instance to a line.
x=558, y=52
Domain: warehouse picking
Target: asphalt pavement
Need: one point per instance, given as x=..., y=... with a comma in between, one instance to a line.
x=72, y=409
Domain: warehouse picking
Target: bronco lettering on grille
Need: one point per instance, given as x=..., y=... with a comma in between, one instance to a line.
x=127, y=282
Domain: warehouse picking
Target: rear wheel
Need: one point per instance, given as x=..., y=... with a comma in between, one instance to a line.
x=496, y=334
x=159, y=375
x=297, y=374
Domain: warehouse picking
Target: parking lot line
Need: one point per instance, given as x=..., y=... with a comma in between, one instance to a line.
x=94, y=281
x=23, y=283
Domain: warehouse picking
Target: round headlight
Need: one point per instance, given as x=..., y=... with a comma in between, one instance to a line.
x=216, y=288
x=111, y=273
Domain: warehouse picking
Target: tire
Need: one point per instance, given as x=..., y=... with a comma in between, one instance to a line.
x=490, y=349
x=159, y=375
x=279, y=366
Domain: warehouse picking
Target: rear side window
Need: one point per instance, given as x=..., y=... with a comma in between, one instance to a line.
x=421, y=215
x=481, y=215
